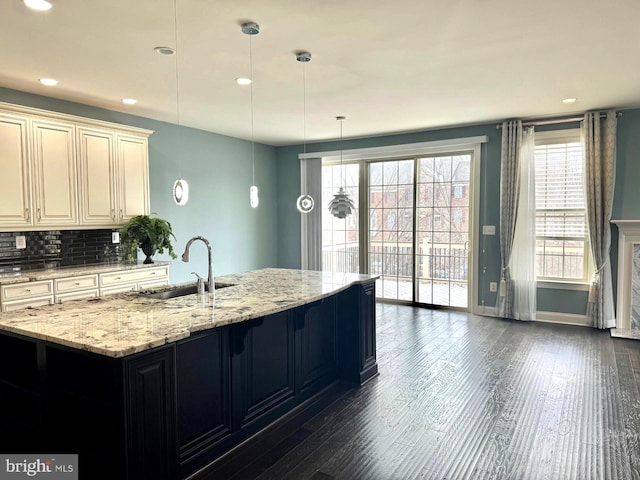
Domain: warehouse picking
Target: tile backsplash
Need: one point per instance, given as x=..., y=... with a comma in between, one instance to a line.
x=59, y=248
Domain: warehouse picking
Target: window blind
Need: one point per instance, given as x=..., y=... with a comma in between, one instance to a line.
x=560, y=209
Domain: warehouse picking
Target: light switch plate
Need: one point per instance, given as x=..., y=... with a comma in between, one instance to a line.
x=21, y=242
x=493, y=286
x=488, y=229
x=115, y=237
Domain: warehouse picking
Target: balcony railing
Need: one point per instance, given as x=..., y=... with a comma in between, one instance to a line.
x=434, y=263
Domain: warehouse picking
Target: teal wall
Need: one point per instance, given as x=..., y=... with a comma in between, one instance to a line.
x=218, y=169
x=626, y=201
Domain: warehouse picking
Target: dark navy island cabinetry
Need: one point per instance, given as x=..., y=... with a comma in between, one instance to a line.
x=169, y=411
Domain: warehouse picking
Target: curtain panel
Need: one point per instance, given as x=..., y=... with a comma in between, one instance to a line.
x=509, y=195
x=599, y=142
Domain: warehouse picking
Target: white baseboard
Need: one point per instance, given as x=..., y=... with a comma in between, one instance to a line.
x=546, y=317
x=563, y=318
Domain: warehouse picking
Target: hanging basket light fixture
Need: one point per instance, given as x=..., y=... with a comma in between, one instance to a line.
x=341, y=205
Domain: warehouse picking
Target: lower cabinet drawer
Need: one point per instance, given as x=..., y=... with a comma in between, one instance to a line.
x=26, y=290
x=65, y=297
x=127, y=287
x=20, y=304
x=133, y=276
x=84, y=282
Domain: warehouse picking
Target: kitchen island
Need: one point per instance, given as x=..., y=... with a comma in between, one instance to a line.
x=144, y=388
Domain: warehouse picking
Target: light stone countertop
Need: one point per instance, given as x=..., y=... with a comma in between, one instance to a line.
x=123, y=324
x=44, y=274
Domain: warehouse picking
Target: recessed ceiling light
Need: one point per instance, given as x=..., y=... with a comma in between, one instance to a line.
x=569, y=100
x=40, y=5
x=129, y=101
x=50, y=82
x=243, y=81
x=165, y=50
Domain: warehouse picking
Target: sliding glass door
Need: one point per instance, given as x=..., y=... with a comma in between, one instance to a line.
x=391, y=192
x=442, y=233
x=416, y=230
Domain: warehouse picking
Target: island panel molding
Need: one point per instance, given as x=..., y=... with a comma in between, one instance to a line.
x=63, y=171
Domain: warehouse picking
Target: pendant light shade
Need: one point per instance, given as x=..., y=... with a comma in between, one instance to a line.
x=305, y=202
x=251, y=29
x=341, y=205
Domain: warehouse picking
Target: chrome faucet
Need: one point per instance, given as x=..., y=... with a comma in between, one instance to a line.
x=211, y=287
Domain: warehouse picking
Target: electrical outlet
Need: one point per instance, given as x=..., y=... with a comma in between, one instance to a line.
x=488, y=229
x=21, y=242
x=115, y=237
x=493, y=286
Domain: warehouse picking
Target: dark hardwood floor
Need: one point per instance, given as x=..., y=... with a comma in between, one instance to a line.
x=465, y=397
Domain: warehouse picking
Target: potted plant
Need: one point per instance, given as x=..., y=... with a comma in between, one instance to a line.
x=150, y=234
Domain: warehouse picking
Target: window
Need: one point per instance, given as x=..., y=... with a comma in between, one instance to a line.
x=562, y=248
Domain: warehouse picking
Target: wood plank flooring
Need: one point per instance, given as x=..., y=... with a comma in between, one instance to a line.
x=466, y=397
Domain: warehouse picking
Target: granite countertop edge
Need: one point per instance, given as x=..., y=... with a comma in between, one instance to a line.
x=128, y=323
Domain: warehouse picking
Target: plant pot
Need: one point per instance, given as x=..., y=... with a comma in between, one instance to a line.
x=149, y=250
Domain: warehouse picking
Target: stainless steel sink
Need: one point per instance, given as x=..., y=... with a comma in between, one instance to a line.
x=178, y=291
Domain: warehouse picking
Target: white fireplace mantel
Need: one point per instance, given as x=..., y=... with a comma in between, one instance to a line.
x=628, y=234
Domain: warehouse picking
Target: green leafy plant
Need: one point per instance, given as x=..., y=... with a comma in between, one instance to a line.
x=145, y=229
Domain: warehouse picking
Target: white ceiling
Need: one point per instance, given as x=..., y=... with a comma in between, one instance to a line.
x=388, y=66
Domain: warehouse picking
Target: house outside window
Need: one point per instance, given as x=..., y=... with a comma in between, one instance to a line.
x=562, y=240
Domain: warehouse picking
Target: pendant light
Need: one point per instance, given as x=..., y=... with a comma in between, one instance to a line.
x=251, y=29
x=341, y=205
x=180, y=186
x=305, y=202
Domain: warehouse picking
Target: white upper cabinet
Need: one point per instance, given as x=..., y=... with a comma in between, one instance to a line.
x=54, y=161
x=61, y=171
x=133, y=176
x=15, y=199
x=98, y=176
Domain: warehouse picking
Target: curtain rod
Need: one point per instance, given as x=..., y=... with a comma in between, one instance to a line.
x=528, y=123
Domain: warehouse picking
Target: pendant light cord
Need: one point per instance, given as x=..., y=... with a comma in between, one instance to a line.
x=341, y=166
x=304, y=108
x=253, y=146
x=175, y=42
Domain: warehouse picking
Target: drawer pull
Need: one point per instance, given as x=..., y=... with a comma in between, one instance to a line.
x=77, y=283
x=118, y=278
x=153, y=273
x=28, y=290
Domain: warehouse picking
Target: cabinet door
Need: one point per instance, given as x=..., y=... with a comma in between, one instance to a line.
x=97, y=164
x=368, y=365
x=204, y=397
x=15, y=208
x=55, y=174
x=133, y=177
x=315, y=346
x=263, y=370
x=151, y=416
